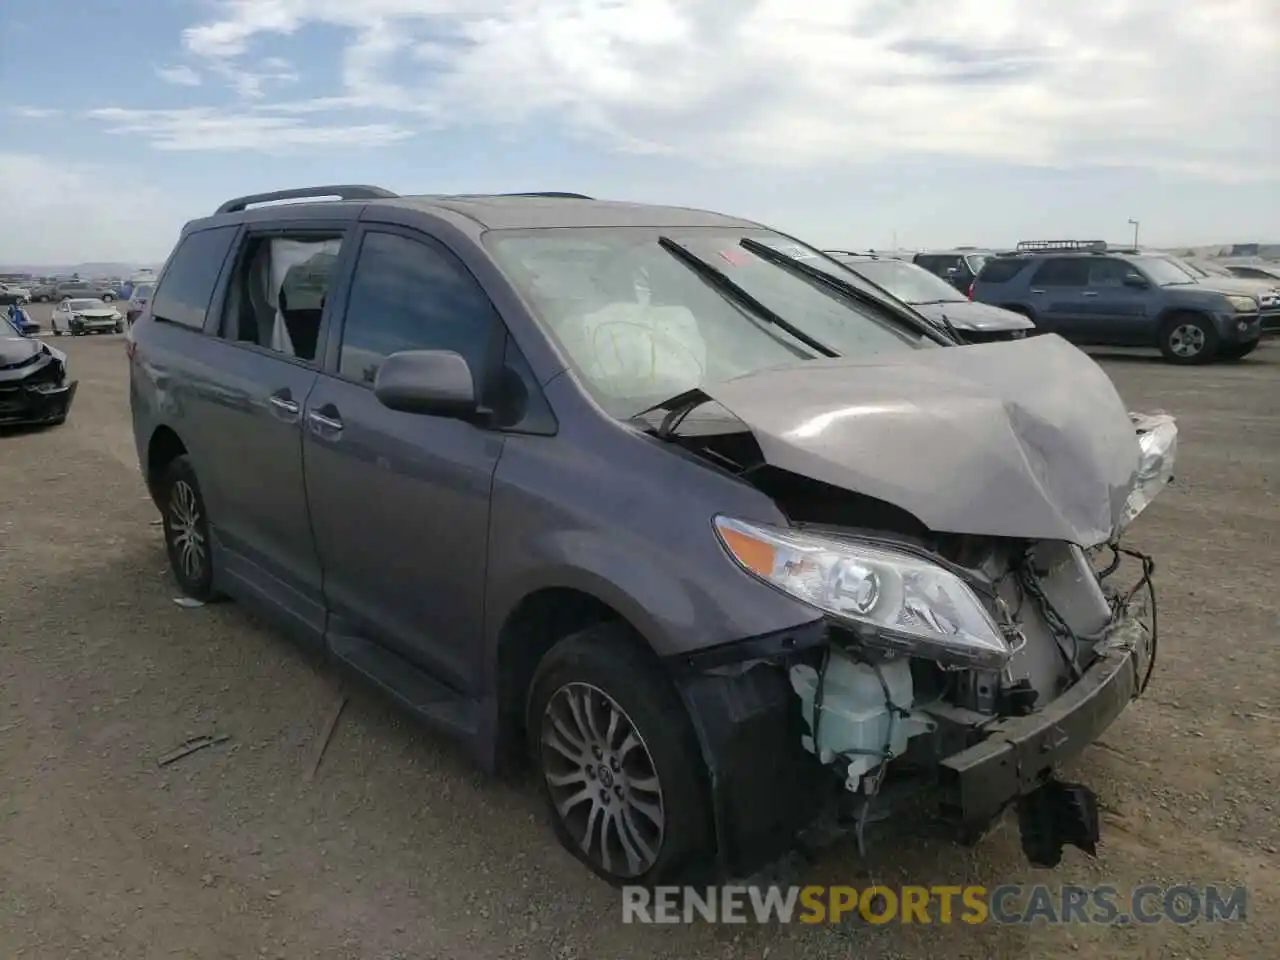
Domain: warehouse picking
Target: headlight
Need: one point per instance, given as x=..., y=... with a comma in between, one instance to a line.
x=45, y=386
x=1243, y=304
x=1158, y=449
x=910, y=605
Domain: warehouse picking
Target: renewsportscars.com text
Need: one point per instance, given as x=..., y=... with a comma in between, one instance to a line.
x=940, y=904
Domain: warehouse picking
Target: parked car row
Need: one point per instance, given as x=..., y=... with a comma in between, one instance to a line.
x=1095, y=295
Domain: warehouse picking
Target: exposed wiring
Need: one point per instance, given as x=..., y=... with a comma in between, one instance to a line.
x=1146, y=581
x=1057, y=626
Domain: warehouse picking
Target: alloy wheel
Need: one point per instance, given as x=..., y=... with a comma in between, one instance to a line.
x=1186, y=340
x=185, y=530
x=603, y=780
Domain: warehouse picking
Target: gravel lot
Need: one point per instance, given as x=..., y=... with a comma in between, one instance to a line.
x=397, y=848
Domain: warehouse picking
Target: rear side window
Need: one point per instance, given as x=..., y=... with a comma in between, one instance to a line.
x=1000, y=271
x=191, y=277
x=1063, y=272
x=410, y=295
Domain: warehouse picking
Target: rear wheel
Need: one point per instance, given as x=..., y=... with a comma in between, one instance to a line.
x=1237, y=351
x=186, y=529
x=1188, y=339
x=621, y=771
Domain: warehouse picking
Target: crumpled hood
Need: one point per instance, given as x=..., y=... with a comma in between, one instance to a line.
x=1024, y=438
x=1244, y=285
x=98, y=313
x=968, y=315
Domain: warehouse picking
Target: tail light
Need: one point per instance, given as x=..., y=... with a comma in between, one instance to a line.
x=970, y=293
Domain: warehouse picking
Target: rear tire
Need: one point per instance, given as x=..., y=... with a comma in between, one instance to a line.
x=1237, y=351
x=621, y=771
x=186, y=529
x=1188, y=339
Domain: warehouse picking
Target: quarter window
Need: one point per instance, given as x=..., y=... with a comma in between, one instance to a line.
x=191, y=277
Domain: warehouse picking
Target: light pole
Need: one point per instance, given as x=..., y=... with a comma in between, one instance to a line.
x=1134, y=223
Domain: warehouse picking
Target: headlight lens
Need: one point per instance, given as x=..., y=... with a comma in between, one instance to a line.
x=1243, y=304
x=913, y=606
x=1158, y=449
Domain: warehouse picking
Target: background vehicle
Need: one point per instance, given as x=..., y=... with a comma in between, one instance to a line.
x=670, y=483
x=78, y=317
x=34, y=388
x=10, y=293
x=959, y=267
x=138, y=299
x=937, y=299
x=74, y=289
x=1255, y=271
x=1092, y=295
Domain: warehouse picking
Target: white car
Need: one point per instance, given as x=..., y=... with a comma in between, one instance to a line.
x=78, y=317
x=17, y=293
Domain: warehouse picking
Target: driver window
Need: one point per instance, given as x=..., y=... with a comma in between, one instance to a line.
x=1108, y=273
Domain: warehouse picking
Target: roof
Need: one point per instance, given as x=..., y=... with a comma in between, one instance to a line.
x=519, y=213
x=512, y=211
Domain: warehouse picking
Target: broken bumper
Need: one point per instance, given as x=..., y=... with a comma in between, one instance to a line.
x=765, y=789
x=22, y=405
x=1020, y=754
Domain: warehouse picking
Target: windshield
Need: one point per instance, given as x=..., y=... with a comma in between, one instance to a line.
x=142, y=290
x=1190, y=269
x=85, y=304
x=638, y=326
x=1162, y=272
x=907, y=282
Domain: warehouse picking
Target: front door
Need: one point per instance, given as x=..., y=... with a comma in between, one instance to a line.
x=400, y=502
x=1117, y=312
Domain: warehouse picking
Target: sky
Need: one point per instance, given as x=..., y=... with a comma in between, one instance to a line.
x=849, y=123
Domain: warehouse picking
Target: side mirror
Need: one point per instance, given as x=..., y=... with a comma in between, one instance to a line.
x=426, y=381
x=1136, y=280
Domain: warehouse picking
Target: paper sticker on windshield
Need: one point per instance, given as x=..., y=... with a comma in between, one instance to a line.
x=737, y=256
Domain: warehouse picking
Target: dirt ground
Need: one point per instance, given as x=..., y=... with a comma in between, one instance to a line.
x=398, y=849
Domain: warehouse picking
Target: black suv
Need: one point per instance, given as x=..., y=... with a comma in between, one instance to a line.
x=1094, y=295
x=959, y=267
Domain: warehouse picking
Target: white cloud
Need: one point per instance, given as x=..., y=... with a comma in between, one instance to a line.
x=35, y=113
x=1169, y=84
x=206, y=128
x=67, y=213
x=180, y=76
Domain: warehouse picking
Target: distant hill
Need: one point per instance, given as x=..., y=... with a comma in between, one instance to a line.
x=91, y=269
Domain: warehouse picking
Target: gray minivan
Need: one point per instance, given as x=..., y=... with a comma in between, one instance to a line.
x=658, y=500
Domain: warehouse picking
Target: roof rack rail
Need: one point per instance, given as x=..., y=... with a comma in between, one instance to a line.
x=550, y=193
x=344, y=191
x=1081, y=246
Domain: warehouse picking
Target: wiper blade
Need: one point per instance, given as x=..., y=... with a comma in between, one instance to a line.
x=721, y=282
x=829, y=284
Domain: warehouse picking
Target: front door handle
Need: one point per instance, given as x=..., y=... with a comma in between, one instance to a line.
x=1089, y=293
x=324, y=423
x=1037, y=290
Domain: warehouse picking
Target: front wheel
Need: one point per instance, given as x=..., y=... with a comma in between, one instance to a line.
x=1188, y=339
x=186, y=529
x=118, y=328
x=621, y=771
x=108, y=297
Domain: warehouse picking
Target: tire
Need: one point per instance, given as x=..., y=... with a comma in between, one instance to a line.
x=1188, y=339
x=589, y=685
x=1238, y=351
x=186, y=529
x=57, y=332
x=118, y=328
x=108, y=297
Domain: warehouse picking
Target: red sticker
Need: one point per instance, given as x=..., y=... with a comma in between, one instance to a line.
x=739, y=258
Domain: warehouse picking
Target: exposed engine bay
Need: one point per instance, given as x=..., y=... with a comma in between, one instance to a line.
x=951, y=657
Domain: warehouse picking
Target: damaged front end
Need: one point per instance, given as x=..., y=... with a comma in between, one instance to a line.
x=34, y=388
x=953, y=670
